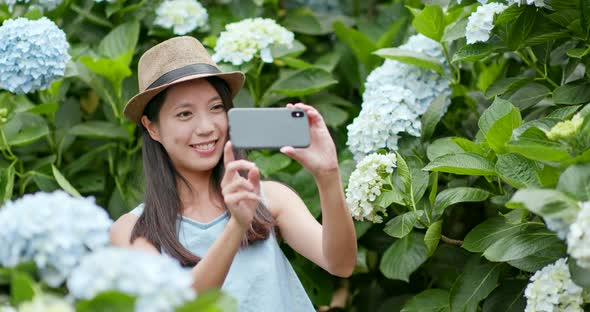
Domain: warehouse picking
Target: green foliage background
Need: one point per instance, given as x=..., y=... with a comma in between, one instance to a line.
x=464, y=231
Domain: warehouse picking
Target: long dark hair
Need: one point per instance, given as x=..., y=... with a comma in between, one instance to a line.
x=162, y=207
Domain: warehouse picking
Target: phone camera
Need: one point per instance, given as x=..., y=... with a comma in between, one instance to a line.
x=297, y=114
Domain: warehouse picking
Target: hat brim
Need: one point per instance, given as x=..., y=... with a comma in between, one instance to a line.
x=134, y=108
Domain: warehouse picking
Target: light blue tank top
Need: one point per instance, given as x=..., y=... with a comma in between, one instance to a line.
x=260, y=278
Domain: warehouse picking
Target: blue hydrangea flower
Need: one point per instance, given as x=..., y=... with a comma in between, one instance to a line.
x=54, y=230
x=34, y=54
x=158, y=281
x=396, y=95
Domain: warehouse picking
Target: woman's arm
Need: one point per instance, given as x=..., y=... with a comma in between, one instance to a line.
x=210, y=272
x=333, y=245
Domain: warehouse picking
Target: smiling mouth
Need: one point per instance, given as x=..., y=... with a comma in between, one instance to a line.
x=204, y=147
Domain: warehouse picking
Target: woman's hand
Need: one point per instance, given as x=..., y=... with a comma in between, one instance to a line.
x=320, y=156
x=241, y=195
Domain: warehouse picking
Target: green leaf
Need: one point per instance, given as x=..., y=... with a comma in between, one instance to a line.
x=473, y=285
x=403, y=172
x=518, y=171
x=211, y=300
x=518, y=31
x=44, y=109
x=402, y=225
x=455, y=31
x=509, y=297
x=430, y=300
x=547, y=203
x=99, y=130
x=541, y=258
x=108, y=301
x=432, y=116
x=115, y=70
x=497, y=123
x=575, y=181
x=120, y=41
x=270, y=164
x=430, y=22
x=22, y=288
x=474, y=52
x=303, y=82
x=63, y=182
x=441, y=147
x=456, y=195
x=520, y=245
x=432, y=236
x=412, y=58
x=580, y=276
x=393, y=31
x=533, y=144
x=359, y=43
x=504, y=85
x=403, y=257
x=529, y=95
x=572, y=94
x=488, y=232
x=28, y=135
x=389, y=197
x=462, y=164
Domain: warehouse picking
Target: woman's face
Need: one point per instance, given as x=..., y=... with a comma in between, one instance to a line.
x=192, y=125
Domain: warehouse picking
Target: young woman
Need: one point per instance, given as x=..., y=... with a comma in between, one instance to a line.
x=201, y=211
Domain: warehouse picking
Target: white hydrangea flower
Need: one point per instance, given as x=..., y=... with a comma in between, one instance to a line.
x=182, y=16
x=54, y=230
x=365, y=185
x=387, y=111
x=158, y=281
x=578, y=239
x=243, y=40
x=367, y=134
x=42, y=4
x=551, y=289
x=46, y=303
x=537, y=3
x=481, y=22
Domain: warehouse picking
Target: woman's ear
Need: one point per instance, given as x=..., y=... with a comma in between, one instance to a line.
x=151, y=127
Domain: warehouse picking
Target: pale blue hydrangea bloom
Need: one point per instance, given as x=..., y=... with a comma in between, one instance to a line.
x=243, y=40
x=552, y=289
x=578, y=238
x=386, y=112
x=54, y=230
x=34, y=54
x=365, y=184
x=481, y=22
x=383, y=88
x=182, y=16
x=158, y=281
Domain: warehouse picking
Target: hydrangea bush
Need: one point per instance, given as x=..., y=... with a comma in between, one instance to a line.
x=159, y=282
x=35, y=53
x=55, y=230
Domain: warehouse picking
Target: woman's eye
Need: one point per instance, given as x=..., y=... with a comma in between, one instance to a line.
x=220, y=106
x=184, y=114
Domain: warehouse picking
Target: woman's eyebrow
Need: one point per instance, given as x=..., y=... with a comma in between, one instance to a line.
x=215, y=98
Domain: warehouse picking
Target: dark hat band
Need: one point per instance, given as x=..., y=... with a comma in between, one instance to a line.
x=188, y=70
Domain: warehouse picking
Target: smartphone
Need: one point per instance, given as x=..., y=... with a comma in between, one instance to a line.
x=268, y=128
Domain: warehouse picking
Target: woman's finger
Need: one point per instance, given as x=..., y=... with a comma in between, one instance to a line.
x=238, y=185
x=235, y=198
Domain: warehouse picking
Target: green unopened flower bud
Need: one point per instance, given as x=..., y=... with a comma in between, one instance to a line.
x=3, y=115
x=565, y=129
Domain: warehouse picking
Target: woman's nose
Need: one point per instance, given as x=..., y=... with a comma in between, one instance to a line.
x=203, y=126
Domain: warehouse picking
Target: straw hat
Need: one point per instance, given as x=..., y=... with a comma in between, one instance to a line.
x=170, y=62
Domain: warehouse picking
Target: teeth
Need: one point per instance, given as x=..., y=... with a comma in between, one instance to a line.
x=204, y=146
